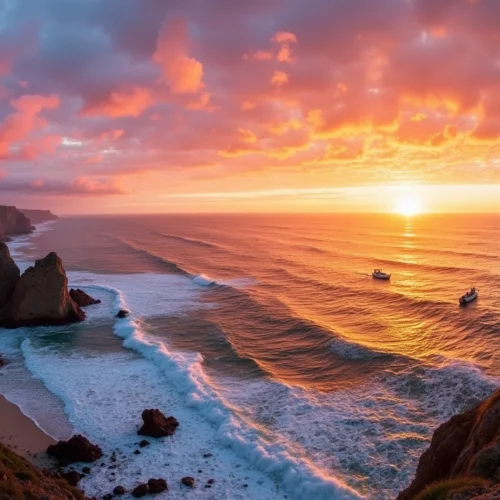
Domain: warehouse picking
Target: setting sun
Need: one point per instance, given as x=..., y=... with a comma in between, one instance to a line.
x=408, y=205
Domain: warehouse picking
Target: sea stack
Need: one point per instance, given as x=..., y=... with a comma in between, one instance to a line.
x=41, y=297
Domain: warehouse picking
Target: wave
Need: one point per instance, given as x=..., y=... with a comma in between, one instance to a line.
x=300, y=478
x=185, y=239
x=168, y=265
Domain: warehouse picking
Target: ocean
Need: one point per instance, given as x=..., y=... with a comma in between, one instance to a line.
x=293, y=373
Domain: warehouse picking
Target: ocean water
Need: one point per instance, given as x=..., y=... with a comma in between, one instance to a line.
x=267, y=338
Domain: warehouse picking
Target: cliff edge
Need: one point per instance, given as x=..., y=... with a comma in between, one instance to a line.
x=464, y=455
x=13, y=222
x=38, y=216
x=20, y=480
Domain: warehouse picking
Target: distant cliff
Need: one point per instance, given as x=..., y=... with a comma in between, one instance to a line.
x=13, y=222
x=38, y=216
x=463, y=459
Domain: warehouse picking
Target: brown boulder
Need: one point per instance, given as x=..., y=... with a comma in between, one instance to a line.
x=467, y=445
x=77, y=449
x=188, y=481
x=157, y=425
x=41, y=297
x=140, y=491
x=9, y=274
x=157, y=486
x=119, y=490
x=81, y=298
x=122, y=313
x=72, y=477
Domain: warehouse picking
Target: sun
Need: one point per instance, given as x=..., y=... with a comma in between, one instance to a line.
x=408, y=205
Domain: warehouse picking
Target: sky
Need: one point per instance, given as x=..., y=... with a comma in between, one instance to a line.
x=122, y=106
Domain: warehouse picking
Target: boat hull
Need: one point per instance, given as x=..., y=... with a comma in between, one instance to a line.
x=381, y=276
x=467, y=300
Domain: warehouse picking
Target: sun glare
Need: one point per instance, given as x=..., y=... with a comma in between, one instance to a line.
x=408, y=205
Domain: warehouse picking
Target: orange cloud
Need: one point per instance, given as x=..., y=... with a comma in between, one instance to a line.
x=182, y=73
x=279, y=78
x=121, y=103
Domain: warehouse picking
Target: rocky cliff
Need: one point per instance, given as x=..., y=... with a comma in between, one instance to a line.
x=38, y=216
x=464, y=453
x=41, y=297
x=13, y=222
x=9, y=274
x=21, y=480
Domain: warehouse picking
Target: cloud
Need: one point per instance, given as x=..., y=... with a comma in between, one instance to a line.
x=119, y=103
x=18, y=124
x=78, y=187
x=279, y=78
x=181, y=93
x=182, y=73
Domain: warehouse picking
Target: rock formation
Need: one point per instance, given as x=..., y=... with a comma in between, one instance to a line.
x=38, y=216
x=466, y=446
x=140, y=491
x=157, y=486
x=41, y=297
x=82, y=298
x=188, y=481
x=20, y=479
x=122, y=313
x=9, y=274
x=157, y=425
x=77, y=449
x=13, y=222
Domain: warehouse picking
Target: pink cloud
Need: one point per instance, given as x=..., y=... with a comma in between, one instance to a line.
x=279, y=78
x=18, y=125
x=132, y=102
x=183, y=74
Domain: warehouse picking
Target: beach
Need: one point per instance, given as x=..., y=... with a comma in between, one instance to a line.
x=22, y=435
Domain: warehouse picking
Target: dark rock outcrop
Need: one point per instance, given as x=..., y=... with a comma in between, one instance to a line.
x=188, y=481
x=73, y=477
x=38, y=216
x=144, y=443
x=41, y=297
x=2, y=361
x=81, y=298
x=140, y=491
x=157, y=486
x=13, y=222
x=9, y=274
x=77, y=449
x=122, y=313
x=157, y=425
x=467, y=445
x=119, y=490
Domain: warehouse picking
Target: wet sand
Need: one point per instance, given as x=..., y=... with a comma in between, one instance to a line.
x=22, y=435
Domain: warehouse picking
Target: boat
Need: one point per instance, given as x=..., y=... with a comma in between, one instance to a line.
x=468, y=296
x=380, y=275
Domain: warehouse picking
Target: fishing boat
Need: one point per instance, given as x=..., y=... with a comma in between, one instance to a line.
x=380, y=275
x=468, y=296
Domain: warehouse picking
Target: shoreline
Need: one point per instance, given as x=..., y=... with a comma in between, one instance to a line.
x=22, y=435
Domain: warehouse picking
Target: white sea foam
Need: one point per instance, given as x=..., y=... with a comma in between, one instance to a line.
x=203, y=280
x=104, y=395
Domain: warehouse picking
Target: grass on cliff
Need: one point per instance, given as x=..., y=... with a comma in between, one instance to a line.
x=19, y=480
x=444, y=490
